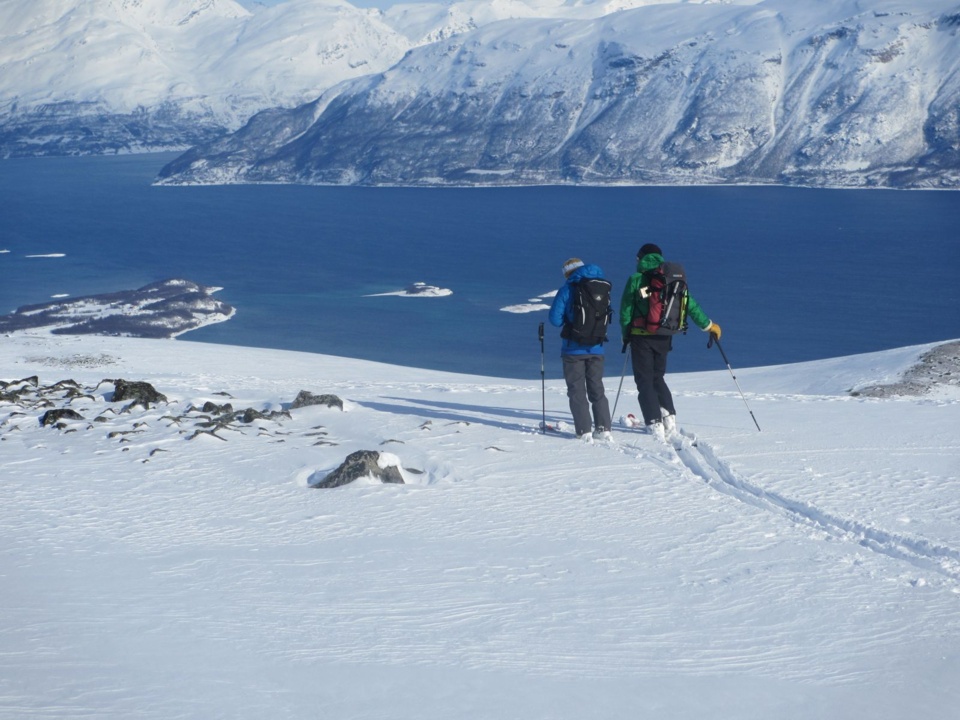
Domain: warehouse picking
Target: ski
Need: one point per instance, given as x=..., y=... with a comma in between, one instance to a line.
x=565, y=430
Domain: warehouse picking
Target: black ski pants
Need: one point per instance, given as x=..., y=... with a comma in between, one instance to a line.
x=584, y=376
x=649, y=356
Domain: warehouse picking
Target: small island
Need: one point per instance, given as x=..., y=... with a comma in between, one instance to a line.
x=163, y=309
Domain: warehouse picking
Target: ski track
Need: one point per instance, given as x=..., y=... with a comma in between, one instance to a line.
x=266, y=569
x=698, y=459
x=701, y=461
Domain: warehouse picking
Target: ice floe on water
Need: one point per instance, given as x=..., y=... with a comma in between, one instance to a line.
x=536, y=304
x=417, y=289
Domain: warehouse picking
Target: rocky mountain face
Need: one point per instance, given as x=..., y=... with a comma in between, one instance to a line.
x=838, y=93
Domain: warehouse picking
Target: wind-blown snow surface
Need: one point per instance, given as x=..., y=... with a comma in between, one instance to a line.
x=826, y=93
x=809, y=570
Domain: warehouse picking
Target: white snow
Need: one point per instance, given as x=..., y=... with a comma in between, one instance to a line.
x=216, y=56
x=210, y=56
x=808, y=570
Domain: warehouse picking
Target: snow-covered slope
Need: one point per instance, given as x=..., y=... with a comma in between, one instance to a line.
x=823, y=93
x=120, y=75
x=124, y=75
x=169, y=559
x=429, y=22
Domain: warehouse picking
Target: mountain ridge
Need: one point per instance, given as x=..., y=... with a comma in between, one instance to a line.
x=135, y=75
x=99, y=76
x=519, y=92
x=826, y=95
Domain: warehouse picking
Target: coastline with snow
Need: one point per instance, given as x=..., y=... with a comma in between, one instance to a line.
x=164, y=309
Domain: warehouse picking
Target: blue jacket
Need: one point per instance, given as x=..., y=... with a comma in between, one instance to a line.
x=561, y=311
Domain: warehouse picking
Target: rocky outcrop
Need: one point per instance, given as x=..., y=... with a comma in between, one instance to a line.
x=55, y=417
x=307, y=399
x=137, y=393
x=935, y=369
x=52, y=403
x=361, y=464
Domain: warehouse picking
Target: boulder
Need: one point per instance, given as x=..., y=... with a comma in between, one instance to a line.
x=52, y=417
x=363, y=463
x=212, y=407
x=305, y=399
x=141, y=393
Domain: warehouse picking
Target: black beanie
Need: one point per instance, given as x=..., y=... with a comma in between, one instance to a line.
x=647, y=249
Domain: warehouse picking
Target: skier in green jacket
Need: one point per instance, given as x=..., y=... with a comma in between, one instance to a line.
x=649, y=352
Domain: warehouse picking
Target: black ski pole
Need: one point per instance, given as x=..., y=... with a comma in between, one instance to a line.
x=626, y=347
x=715, y=339
x=543, y=386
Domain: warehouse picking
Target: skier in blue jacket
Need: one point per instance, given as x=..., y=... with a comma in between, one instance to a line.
x=582, y=364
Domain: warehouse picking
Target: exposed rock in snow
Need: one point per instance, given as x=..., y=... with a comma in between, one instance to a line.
x=308, y=399
x=136, y=391
x=363, y=464
x=938, y=367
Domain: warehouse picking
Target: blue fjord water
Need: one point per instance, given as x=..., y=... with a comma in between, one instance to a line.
x=790, y=274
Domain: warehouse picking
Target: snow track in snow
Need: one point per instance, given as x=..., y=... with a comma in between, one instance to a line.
x=701, y=460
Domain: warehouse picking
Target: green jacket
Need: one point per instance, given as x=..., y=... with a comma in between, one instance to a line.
x=632, y=305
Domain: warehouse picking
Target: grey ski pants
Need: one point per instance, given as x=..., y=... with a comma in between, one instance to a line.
x=584, y=376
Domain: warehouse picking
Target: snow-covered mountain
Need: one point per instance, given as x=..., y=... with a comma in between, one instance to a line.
x=124, y=75
x=428, y=22
x=82, y=76
x=838, y=92
x=163, y=554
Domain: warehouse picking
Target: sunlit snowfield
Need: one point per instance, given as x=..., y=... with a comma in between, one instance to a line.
x=153, y=569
